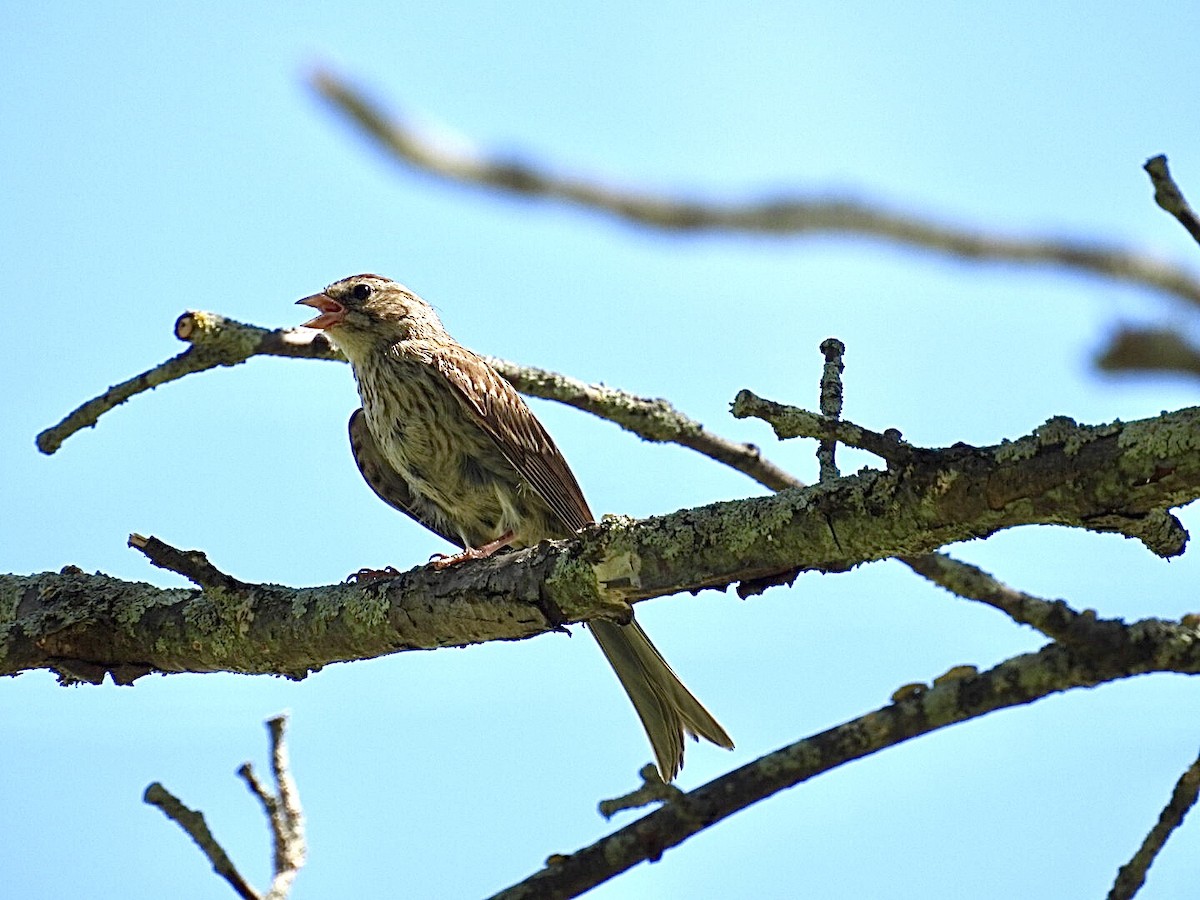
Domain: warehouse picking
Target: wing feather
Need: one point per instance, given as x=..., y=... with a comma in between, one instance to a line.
x=524, y=441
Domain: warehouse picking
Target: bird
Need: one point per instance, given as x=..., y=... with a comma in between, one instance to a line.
x=444, y=438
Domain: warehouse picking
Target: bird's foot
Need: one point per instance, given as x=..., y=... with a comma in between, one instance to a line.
x=364, y=575
x=441, y=561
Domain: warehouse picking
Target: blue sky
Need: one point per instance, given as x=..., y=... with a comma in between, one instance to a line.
x=160, y=158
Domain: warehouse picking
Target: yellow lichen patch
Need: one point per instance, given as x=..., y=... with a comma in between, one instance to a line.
x=945, y=481
x=958, y=673
x=909, y=691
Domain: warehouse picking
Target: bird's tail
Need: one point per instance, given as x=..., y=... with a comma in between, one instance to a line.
x=668, y=710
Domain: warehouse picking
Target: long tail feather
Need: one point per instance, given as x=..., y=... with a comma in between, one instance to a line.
x=668, y=710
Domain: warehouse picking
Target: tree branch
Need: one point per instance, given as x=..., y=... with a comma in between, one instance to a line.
x=1132, y=875
x=1116, y=478
x=194, y=826
x=1151, y=645
x=1053, y=618
x=218, y=340
x=785, y=215
x=653, y=420
x=192, y=565
x=792, y=422
x=283, y=812
x=1168, y=196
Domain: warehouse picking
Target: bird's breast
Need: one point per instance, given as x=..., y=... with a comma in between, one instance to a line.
x=437, y=444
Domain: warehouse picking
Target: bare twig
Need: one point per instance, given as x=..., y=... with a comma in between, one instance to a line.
x=193, y=824
x=1053, y=618
x=191, y=564
x=785, y=215
x=1132, y=875
x=1168, y=195
x=652, y=790
x=283, y=812
x=650, y=419
x=1020, y=680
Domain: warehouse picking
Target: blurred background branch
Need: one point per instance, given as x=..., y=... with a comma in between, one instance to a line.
x=783, y=215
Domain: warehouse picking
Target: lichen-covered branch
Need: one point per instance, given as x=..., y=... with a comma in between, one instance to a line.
x=1132, y=875
x=650, y=419
x=218, y=340
x=652, y=790
x=780, y=215
x=831, y=405
x=215, y=341
x=792, y=422
x=1149, y=646
x=192, y=565
x=1120, y=477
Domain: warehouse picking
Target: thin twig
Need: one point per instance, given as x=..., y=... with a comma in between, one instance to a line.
x=191, y=564
x=282, y=808
x=283, y=812
x=218, y=340
x=783, y=215
x=792, y=422
x=831, y=404
x=260, y=791
x=291, y=848
x=652, y=790
x=650, y=419
x=1132, y=875
x=1053, y=618
x=1022, y=679
x=1168, y=195
x=193, y=824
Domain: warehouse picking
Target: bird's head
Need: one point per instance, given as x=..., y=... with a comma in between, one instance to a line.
x=363, y=311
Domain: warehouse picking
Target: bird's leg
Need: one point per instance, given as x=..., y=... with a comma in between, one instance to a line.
x=441, y=561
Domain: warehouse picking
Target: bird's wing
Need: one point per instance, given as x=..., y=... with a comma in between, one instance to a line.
x=523, y=440
x=386, y=481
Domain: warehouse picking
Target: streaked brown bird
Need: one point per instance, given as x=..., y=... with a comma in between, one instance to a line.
x=444, y=438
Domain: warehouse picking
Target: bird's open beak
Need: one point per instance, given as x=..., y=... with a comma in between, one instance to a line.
x=331, y=311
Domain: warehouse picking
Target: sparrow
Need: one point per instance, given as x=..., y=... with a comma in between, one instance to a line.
x=445, y=439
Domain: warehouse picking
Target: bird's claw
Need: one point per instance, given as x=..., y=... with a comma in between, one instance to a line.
x=364, y=575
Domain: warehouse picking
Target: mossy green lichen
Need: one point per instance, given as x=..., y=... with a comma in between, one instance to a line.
x=218, y=622
x=1155, y=439
x=365, y=611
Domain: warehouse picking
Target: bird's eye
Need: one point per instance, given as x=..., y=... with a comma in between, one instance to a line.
x=360, y=291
